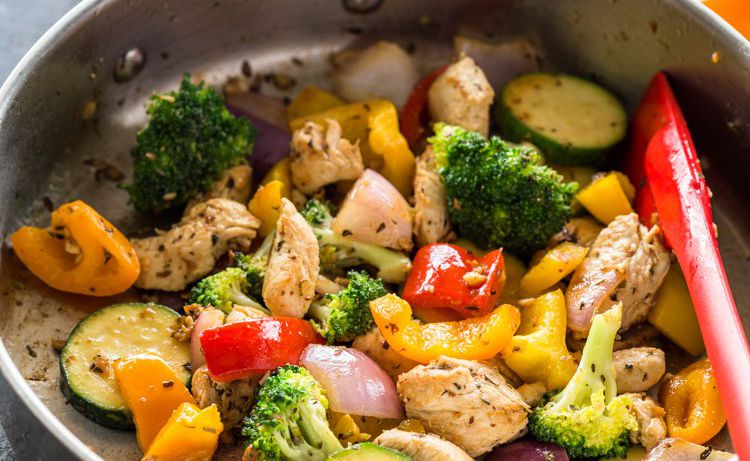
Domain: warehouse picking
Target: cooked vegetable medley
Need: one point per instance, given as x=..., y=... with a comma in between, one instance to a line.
x=406, y=282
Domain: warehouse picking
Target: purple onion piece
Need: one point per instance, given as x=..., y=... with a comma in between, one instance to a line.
x=271, y=143
x=528, y=450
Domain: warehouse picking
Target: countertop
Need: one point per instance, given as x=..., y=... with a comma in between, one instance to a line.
x=22, y=22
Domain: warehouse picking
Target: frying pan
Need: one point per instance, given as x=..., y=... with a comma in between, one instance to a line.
x=62, y=113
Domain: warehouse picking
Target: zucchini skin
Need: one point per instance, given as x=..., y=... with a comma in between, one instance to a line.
x=114, y=418
x=514, y=130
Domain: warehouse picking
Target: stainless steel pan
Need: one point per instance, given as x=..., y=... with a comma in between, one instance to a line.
x=61, y=107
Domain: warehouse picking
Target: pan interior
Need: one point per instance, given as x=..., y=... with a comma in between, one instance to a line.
x=64, y=156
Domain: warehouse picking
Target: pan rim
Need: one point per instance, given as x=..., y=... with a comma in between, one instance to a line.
x=84, y=11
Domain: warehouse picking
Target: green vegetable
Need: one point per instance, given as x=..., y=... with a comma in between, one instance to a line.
x=242, y=285
x=288, y=422
x=87, y=377
x=367, y=451
x=223, y=290
x=338, y=252
x=574, y=121
x=498, y=194
x=588, y=418
x=343, y=316
x=190, y=139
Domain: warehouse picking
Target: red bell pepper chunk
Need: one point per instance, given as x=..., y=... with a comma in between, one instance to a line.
x=254, y=347
x=445, y=276
x=413, y=113
x=683, y=202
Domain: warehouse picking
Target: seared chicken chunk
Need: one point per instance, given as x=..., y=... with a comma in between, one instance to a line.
x=421, y=447
x=431, y=219
x=651, y=426
x=243, y=313
x=680, y=450
x=532, y=393
x=234, y=184
x=293, y=265
x=462, y=96
x=321, y=156
x=234, y=399
x=374, y=211
x=466, y=402
x=171, y=260
x=627, y=263
x=638, y=369
x=375, y=346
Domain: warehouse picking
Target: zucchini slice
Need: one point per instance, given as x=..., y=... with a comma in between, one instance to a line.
x=367, y=451
x=119, y=330
x=572, y=120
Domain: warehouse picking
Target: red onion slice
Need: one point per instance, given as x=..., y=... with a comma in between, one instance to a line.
x=354, y=383
x=209, y=318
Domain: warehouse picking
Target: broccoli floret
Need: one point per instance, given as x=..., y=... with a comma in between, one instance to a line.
x=588, y=418
x=499, y=194
x=338, y=252
x=255, y=266
x=343, y=316
x=289, y=421
x=190, y=139
x=224, y=289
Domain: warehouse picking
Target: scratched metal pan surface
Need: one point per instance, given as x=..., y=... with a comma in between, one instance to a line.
x=61, y=108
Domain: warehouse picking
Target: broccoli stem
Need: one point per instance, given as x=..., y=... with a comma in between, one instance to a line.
x=316, y=430
x=595, y=372
x=392, y=265
x=265, y=247
x=238, y=297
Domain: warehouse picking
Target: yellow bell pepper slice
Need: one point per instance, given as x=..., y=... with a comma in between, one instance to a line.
x=189, y=434
x=514, y=272
x=311, y=100
x=266, y=205
x=152, y=391
x=608, y=197
x=281, y=171
x=346, y=429
x=474, y=338
x=375, y=125
x=80, y=252
x=537, y=353
x=692, y=403
x=674, y=315
x=553, y=266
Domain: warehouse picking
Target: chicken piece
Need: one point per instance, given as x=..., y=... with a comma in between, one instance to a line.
x=681, y=450
x=234, y=399
x=532, y=393
x=627, y=263
x=638, y=369
x=293, y=265
x=462, y=96
x=431, y=219
x=466, y=402
x=374, y=211
x=319, y=158
x=173, y=259
x=375, y=346
x=421, y=447
x=651, y=426
x=243, y=313
x=234, y=184
x=643, y=334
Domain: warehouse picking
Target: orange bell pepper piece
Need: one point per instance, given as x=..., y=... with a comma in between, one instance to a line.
x=266, y=205
x=80, y=252
x=692, y=404
x=474, y=338
x=189, y=434
x=152, y=391
x=735, y=12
